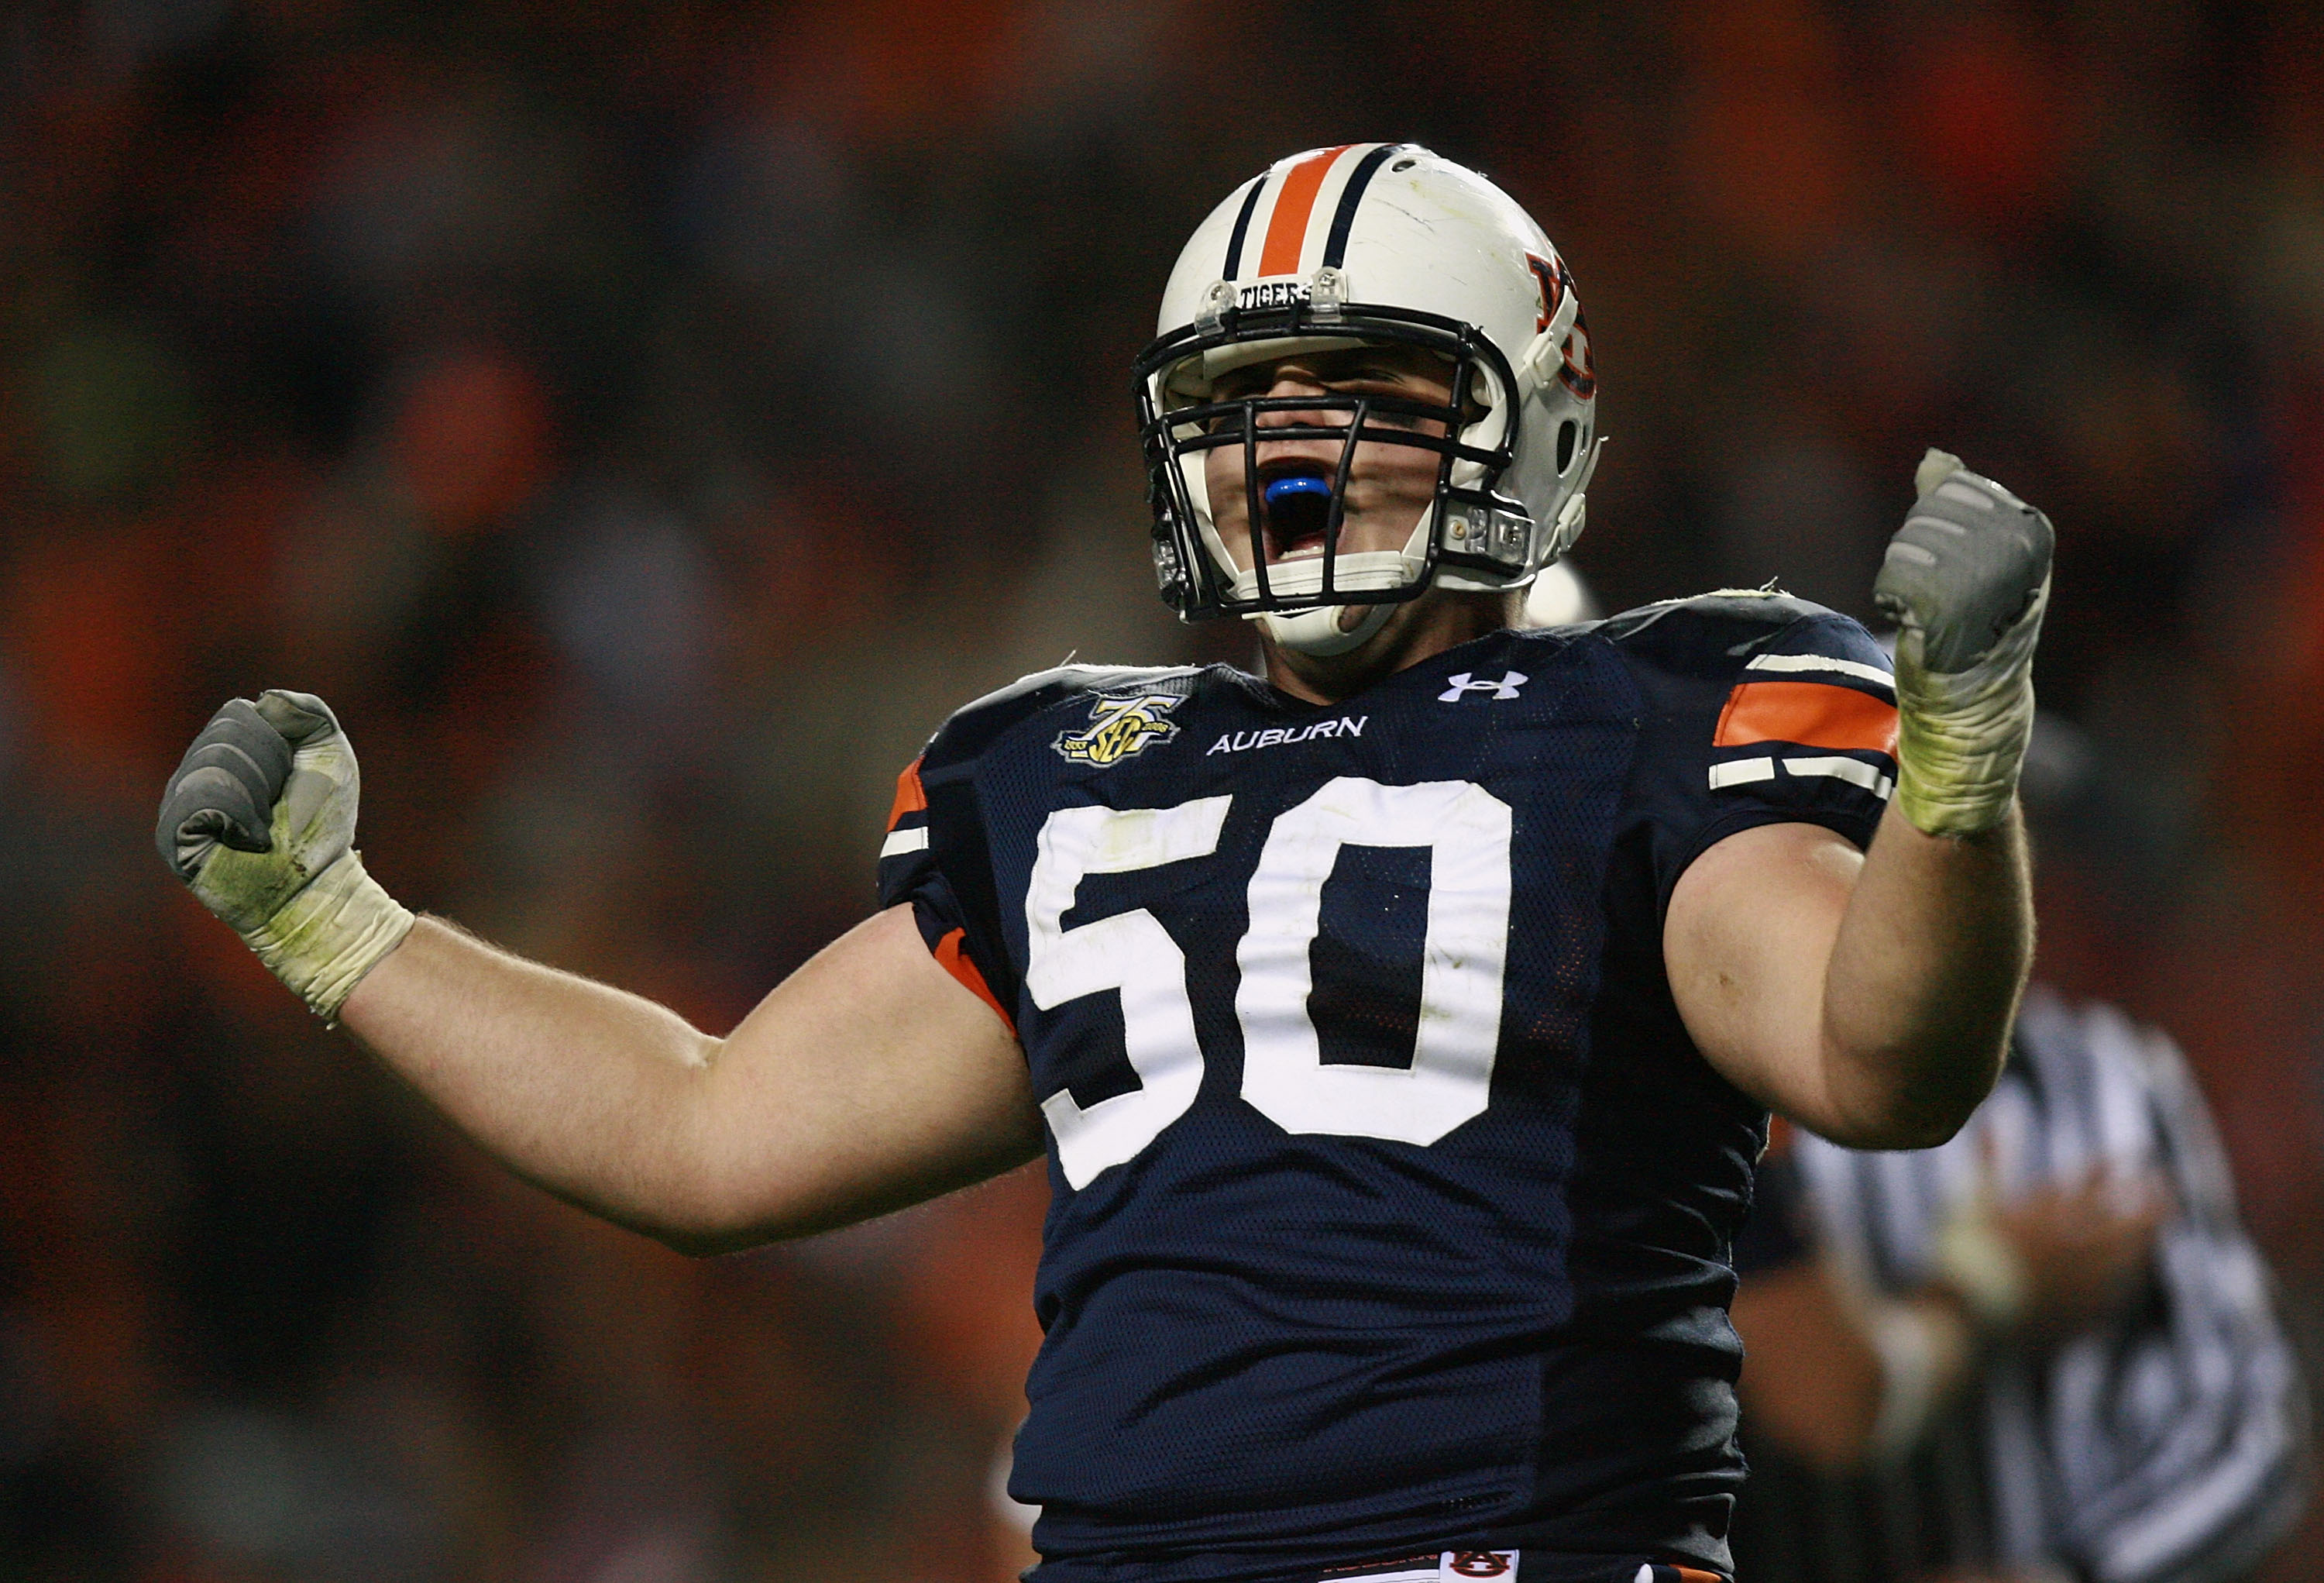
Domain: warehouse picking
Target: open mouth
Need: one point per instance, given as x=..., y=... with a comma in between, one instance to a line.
x=1296, y=500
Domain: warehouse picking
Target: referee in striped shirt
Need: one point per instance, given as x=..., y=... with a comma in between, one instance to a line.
x=2044, y=1351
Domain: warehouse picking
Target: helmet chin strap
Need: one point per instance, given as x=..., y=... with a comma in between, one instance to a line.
x=1318, y=632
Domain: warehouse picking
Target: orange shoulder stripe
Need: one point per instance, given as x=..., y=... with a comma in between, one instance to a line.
x=955, y=961
x=1814, y=714
x=911, y=797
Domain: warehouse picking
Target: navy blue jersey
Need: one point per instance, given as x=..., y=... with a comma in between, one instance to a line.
x=1393, y=1205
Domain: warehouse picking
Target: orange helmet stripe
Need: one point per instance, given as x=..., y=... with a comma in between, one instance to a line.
x=1286, y=229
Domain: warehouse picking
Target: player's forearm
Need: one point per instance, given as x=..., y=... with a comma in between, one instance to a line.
x=1924, y=977
x=1924, y=981
x=867, y=1081
x=590, y=1091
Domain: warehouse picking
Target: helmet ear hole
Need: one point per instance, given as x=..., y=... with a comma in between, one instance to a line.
x=1567, y=433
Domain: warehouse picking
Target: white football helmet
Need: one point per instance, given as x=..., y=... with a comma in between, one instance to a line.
x=1364, y=244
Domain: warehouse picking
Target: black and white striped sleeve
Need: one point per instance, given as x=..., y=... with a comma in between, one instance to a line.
x=2179, y=1443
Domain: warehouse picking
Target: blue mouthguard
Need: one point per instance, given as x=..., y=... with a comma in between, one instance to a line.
x=1284, y=490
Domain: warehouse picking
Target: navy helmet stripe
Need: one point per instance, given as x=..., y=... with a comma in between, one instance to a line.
x=1336, y=248
x=1243, y=225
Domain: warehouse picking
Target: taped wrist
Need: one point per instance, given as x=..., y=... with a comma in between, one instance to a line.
x=1919, y=1353
x=1961, y=735
x=1979, y=1264
x=325, y=939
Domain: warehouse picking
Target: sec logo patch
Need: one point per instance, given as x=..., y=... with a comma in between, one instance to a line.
x=1119, y=729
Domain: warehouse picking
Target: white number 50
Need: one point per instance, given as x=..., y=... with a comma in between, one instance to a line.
x=1464, y=954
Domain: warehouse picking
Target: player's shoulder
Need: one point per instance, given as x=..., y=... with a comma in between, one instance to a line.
x=1072, y=689
x=1719, y=635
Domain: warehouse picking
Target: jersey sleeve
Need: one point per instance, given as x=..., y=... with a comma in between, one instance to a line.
x=1764, y=709
x=913, y=868
x=938, y=853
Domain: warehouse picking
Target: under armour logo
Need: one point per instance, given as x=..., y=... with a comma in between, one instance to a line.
x=1507, y=687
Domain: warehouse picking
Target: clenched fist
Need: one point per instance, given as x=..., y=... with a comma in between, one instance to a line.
x=260, y=822
x=1966, y=580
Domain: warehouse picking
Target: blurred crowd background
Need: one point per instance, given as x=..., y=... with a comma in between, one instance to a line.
x=643, y=422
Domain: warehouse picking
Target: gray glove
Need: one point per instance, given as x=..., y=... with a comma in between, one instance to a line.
x=1966, y=566
x=260, y=821
x=1966, y=580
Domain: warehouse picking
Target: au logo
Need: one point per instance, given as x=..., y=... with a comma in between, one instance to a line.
x=1119, y=729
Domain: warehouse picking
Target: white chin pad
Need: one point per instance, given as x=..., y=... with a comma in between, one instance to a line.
x=1358, y=571
x=1317, y=631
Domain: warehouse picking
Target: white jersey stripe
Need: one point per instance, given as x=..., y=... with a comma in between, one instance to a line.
x=899, y=842
x=1842, y=769
x=1853, y=668
x=1741, y=771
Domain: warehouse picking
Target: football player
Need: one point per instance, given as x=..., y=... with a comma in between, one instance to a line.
x=1401, y=1023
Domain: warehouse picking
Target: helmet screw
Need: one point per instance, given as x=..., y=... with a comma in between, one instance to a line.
x=1214, y=305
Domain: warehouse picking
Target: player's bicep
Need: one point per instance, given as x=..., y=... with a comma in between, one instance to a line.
x=869, y=1080
x=1747, y=942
